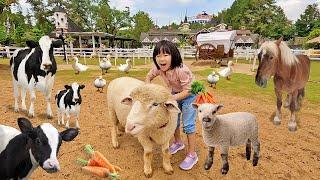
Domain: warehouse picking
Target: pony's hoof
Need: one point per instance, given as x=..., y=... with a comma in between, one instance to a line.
x=292, y=127
x=276, y=121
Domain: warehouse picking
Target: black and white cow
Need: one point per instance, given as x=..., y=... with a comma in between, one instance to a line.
x=22, y=152
x=34, y=68
x=68, y=101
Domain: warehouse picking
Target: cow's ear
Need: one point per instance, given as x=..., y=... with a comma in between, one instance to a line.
x=25, y=125
x=67, y=86
x=57, y=43
x=69, y=134
x=82, y=86
x=32, y=44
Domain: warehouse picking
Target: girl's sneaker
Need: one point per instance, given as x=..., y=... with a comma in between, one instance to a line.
x=175, y=147
x=189, y=161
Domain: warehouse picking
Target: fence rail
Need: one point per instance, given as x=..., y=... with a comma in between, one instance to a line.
x=139, y=53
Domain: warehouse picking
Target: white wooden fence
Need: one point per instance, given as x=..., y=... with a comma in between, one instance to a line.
x=140, y=53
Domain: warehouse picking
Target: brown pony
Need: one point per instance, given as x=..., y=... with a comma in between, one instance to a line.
x=290, y=74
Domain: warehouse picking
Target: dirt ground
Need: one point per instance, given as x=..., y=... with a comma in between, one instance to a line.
x=284, y=155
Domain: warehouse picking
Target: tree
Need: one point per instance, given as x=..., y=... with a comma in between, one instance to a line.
x=143, y=23
x=308, y=20
x=260, y=16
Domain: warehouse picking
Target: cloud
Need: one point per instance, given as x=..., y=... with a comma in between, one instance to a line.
x=294, y=8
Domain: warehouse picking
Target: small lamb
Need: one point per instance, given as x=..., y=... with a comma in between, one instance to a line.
x=232, y=129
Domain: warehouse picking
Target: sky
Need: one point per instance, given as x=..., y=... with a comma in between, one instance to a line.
x=164, y=12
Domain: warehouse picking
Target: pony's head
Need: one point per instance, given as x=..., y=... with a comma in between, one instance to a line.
x=270, y=55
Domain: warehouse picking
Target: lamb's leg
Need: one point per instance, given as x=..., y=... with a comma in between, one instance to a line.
x=16, y=95
x=147, y=156
x=292, y=125
x=256, y=152
x=114, y=129
x=277, y=117
x=166, y=159
x=224, y=157
x=23, y=99
x=209, y=160
x=59, y=116
x=248, y=149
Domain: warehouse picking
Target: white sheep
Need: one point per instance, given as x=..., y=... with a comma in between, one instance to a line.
x=147, y=112
x=232, y=129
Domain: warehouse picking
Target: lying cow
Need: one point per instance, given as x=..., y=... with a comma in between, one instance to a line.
x=68, y=101
x=22, y=152
x=34, y=68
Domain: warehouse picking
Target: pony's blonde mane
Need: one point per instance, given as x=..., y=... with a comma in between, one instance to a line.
x=286, y=54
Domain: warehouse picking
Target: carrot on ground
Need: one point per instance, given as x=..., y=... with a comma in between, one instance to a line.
x=97, y=171
x=99, y=158
x=90, y=162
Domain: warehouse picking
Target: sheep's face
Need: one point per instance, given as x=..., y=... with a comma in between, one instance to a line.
x=151, y=107
x=207, y=113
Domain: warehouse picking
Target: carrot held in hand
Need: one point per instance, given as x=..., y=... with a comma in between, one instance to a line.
x=99, y=158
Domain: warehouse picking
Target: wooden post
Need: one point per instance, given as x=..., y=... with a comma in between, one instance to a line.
x=80, y=45
x=93, y=45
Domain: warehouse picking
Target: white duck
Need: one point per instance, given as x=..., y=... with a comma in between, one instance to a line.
x=125, y=67
x=78, y=67
x=100, y=83
x=227, y=72
x=213, y=78
x=105, y=64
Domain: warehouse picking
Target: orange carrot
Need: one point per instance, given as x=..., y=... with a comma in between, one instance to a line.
x=117, y=168
x=90, y=162
x=99, y=158
x=97, y=171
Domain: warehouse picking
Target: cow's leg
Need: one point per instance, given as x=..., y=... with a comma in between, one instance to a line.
x=209, y=160
x=59, y=116
x=77, y=117
x=16, y=95
x=224, y=158
x=277, y=117
x=62, y=117
x=292, y=125
x=68, y=119
x=166, y=163
x=32, y=99
x=147, y=156
x=23, y=99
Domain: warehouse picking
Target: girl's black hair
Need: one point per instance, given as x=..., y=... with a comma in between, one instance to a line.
x=167, y=47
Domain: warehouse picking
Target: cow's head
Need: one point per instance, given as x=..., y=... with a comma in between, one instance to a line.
x=44, y=142
x=45, y=49
x=74, y=89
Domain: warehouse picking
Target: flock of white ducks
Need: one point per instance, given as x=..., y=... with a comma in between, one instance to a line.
x=214, y=77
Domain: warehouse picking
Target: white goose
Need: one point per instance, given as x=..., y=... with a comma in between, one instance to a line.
x=78, y=67
x=227, y=72
x=100, y=83
x=125, y=67
x=213, y=78
x=105, y=64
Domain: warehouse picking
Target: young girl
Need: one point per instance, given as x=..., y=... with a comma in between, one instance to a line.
x=178, y=77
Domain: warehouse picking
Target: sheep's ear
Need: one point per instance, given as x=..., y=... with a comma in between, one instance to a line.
x=194, y=105
x=172, y=106
x=127, y=101
x=219, y=107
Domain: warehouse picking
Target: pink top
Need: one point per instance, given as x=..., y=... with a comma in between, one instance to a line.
x=178, y=79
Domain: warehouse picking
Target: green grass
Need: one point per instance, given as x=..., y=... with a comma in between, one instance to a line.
x=244, y=85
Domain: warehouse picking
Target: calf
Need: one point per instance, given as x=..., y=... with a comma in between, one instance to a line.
x=34, y=68
x=68, y=101
x=22, y=152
